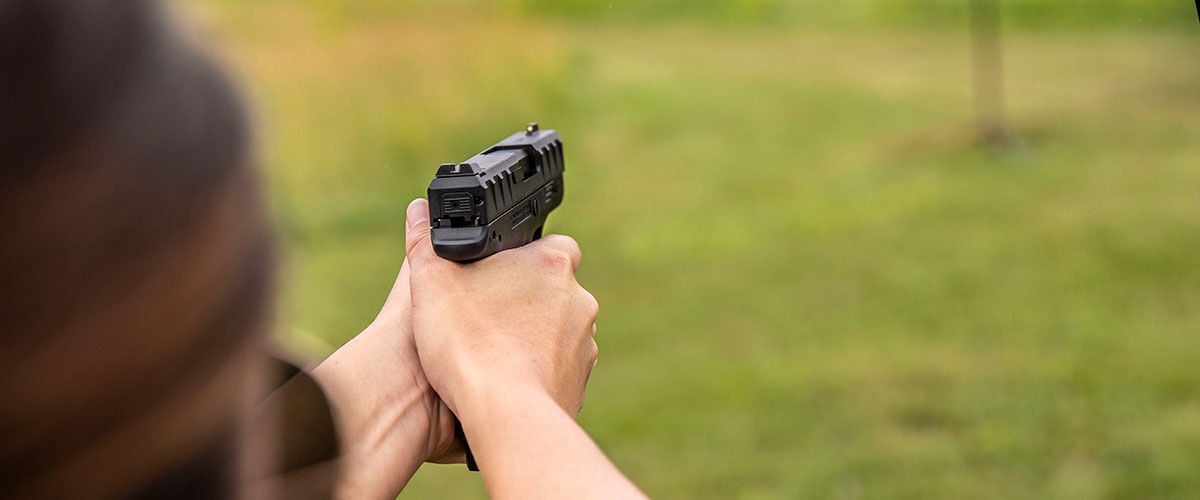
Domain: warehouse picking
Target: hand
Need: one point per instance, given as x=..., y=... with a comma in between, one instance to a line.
x=516, y=321
x=390, y=420
x=508, y=344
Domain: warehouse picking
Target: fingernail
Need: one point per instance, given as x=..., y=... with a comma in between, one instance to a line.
x=418, y=213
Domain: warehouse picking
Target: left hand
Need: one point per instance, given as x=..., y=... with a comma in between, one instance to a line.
x=390, y=420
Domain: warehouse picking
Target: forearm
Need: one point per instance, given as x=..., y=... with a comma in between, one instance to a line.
x=385, y=424
x=528, y=447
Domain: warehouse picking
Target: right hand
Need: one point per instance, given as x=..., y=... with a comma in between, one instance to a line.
x=513, y=322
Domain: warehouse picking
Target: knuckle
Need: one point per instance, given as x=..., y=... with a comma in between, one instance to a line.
x=587, y=300
x=420, y=256
x=569, y=244
x=426, y=263
x=573, y=250
x=564, y=244
x=556, y=260
x=420, y=250
x=590, y=304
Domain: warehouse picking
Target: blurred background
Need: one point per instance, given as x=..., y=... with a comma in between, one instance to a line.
x=816, y=280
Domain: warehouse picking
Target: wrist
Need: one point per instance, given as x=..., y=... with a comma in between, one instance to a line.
x=484, y=402
x=382, y=404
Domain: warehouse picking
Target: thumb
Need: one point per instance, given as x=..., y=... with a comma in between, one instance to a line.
x=416, y=232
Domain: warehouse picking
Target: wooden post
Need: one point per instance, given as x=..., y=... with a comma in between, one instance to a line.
x=987, y=65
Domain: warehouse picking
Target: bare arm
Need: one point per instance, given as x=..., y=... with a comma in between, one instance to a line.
x=528, y=447
x=508, y=344
x=389, y=418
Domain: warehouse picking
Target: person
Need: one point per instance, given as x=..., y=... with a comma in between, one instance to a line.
x=137, y=291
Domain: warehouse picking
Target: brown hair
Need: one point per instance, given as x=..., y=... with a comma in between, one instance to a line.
x=135, y=268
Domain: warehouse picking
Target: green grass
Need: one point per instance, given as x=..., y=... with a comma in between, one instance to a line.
x=1058, y=14
x=812, y=283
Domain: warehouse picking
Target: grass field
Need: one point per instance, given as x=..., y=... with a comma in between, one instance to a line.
x=813, y=284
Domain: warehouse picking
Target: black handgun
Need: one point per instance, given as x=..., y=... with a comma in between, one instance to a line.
x=497, y=199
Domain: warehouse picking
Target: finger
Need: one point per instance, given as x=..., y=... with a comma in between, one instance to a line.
x=416, y=232
x=399, y=297
x=564, y=244
x=593, y=329
x=590, y=304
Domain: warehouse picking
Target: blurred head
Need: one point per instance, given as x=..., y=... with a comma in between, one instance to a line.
x=135, y=261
